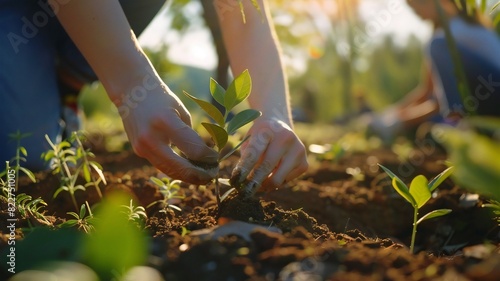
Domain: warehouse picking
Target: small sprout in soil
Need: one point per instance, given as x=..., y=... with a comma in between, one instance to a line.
x=81, y=220
x=87, y=165
x=21, y=154
x=418, y=194
x=135, y=214
x=61, y=158
x=69, y=162
x=169, y=189
x=222, y=127
x=31, y=208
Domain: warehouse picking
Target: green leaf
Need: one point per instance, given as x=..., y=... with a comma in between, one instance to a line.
x=59, y=190
x=241, y=119
x=403, y=190
x=86, y=173
x=434, y=214
x=83, y=211
x=98, y=168
x=399, y=186
x=23, y=151
x=437, y=180
x=420, y=191
x=218, y=134
x=209, y=108
x=217, y=91
x=48, y=155
x=124, y=244
x=157, y=181
x=238, y=91
x=28, y=173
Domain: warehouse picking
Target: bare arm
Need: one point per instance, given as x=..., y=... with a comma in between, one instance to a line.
x=152, y=115
x=274, y=154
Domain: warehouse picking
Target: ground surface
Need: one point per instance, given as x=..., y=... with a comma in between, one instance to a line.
x=340, y=221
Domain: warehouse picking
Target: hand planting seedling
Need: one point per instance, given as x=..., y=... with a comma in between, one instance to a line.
x=237, y=92
x=169, y=189
x=418, y=194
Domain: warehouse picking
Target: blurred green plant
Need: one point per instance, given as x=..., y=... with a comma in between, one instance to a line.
x=475, y=155
x=170, y=190
x=21, y=154
x=117, y=244
x=419, y=192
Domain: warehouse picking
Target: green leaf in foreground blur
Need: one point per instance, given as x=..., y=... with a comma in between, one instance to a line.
x=475, y=158
x=218, y=134
x=117, y=243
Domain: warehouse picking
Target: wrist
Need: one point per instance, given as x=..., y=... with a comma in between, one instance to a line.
x=130, y=80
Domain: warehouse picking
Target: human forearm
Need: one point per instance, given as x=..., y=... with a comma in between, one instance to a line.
x=103, y=35
x=253, y=45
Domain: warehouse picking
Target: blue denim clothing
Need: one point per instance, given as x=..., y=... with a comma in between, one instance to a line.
x=33, y=47
x=479, y=49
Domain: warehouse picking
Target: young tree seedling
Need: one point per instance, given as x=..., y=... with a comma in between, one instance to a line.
x=419, y=192
x=238, y=91
x=169, y=189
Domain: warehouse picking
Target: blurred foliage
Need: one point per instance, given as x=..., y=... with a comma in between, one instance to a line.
x=474, y=149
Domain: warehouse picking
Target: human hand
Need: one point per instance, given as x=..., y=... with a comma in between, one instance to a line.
x=272, y=156
x=386, y=125
x=155, y=120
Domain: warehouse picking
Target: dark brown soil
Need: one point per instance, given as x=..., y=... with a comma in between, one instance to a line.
x=333, y=226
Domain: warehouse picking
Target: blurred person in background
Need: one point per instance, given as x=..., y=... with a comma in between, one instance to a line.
x=50, y=49
x=437, y=97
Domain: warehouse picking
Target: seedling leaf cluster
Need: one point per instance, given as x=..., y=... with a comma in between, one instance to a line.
x=237, y=92
x=418, y=194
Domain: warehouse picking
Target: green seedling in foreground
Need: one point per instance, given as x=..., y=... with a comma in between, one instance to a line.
x=169, y=189
x=419, y=192
x=237, y=92
x=21, y=154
